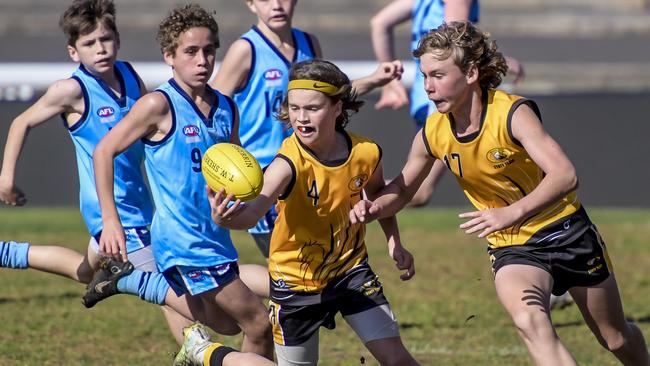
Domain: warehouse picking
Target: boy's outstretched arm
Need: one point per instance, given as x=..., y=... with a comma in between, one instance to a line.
x=64, y=96
x=385, y=73
x=402, y=257
x=399, y=192
x=144, y=120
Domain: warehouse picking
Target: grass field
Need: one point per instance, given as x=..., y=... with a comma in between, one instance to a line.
x=448, y=312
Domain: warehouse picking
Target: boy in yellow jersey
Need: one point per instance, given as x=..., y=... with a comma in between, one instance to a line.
x=318, y=262
x=541, y=240
x=255, y=72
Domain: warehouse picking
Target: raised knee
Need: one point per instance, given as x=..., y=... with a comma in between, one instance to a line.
x=258, y=328
x=613, y=340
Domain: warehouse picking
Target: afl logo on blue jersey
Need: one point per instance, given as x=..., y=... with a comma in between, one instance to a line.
x=106, y=114
x=191, y=133
x=273, y=77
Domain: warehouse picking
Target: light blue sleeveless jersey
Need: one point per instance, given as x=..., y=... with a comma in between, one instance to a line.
x=259, y=131
x=428, y=15
x=102, y=111
x=183, y=233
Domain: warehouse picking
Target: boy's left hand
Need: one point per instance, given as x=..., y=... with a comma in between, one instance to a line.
x=387, y=71
x=488, y=221
x=403, y=261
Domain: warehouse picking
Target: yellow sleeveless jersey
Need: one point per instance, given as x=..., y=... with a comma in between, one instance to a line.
x=493, y=169
x=313, y=241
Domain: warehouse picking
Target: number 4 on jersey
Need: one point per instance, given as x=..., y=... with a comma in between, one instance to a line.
x=313, y=192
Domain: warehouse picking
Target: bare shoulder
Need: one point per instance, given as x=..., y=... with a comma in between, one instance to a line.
x=64, y=92
x=234, y=68
x=525, y=117
x=240, y=50
x=154, y=103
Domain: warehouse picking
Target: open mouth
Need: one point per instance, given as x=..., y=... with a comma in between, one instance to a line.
x=305, y=129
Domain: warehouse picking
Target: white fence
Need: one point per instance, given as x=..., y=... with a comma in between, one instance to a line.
x=22, y=81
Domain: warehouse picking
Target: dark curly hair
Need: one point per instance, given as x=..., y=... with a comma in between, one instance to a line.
x=83, y=16
x=327, y=72
x=179, y=20
x=468, y=46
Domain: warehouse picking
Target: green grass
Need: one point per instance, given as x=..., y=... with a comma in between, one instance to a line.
x=449, y=314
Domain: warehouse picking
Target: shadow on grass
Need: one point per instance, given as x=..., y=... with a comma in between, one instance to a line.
x=61, y=296
x=410, y=325
x=643, y=319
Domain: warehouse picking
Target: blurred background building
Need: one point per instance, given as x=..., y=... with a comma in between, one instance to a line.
x=587, y=64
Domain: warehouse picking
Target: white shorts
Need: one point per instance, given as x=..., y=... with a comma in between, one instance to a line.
x=139, y=248
x=370, y=325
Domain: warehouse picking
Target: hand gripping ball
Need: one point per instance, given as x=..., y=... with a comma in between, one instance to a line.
x=231, y=167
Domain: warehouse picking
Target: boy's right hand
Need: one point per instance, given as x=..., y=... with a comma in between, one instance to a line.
x=112, y=243
x=364, y=211
x=393, y=95
x=11, y=195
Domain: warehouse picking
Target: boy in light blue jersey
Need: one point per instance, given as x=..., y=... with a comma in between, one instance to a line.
x=255, y=72
x=178, y=122
x=91, y=102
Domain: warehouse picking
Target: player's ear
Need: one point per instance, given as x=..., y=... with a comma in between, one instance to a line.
x=74, y=55
x=169, y=58
x=251, y=6
x=339, y=108
x=472, y=74
x=117, y=41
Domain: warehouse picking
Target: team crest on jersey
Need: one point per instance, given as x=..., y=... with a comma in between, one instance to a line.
x=500, y=156
x=273, y=77
x=106, y=114
x=357, y=182
x=191, y=133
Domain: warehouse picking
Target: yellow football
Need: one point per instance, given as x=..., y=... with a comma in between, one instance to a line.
x=234, y=169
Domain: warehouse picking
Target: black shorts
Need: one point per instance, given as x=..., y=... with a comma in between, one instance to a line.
x=356, y=291
x=578, y=262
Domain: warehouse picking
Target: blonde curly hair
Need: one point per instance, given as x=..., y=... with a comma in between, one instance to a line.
x=468, y=46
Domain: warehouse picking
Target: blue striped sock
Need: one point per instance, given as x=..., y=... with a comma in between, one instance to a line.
x=149, y=286
x=13, y=255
